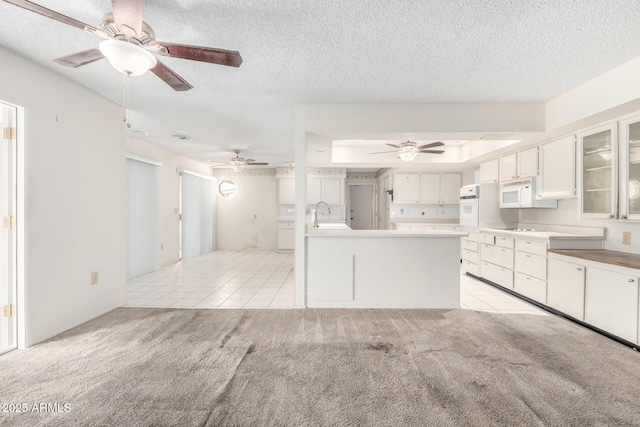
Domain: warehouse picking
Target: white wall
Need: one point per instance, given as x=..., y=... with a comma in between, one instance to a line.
x=169, y=198
x=249, y=219
x=565, y=214
x=74, y=213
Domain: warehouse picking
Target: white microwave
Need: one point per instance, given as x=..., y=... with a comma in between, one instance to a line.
x=522, y=194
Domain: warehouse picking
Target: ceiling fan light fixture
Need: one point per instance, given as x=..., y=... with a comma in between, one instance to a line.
x=238, y=164
x=407, y=156
x=127, y=58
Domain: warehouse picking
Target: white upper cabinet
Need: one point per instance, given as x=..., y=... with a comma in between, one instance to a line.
x=287, y=191
x=332, y=191
x=314, y=190
x=426, y=188
x=597, y=171
x=508, y=168
x=489, y=172
x=430, y=189
x=527, y=163
x=557, y=169
x=406, y=188
x=450, y=188
x=523, y=164
x=630, y=173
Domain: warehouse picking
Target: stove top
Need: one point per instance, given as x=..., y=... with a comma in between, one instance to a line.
x=524, y=229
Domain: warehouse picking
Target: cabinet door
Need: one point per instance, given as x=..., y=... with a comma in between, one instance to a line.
x=630, y=161
x=611, y=303
x=285, y=239
x=286, y=191
x=597, y=189
x=430, y=188
x=406, y=188
x=489, y=172
x=331, y=191
x=557, y=169
x=508, y=168
x=527, y=161
x=565, y=287
x=314, y=190
x=450, y=188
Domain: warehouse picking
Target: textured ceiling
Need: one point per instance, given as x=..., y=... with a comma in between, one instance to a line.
x=319, y=51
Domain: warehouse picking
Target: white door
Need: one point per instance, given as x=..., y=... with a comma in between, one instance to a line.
x=197, y=215
x=8, y=288
x=361, y=206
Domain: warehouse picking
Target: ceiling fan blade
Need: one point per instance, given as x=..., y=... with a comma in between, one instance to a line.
x=203, y=54
x=170, y=77
x=128, y=13
x=79, y=59
x=256, y=163
x=432, y=151
x=433, y=144
x=50, y=14
x=392, y=145
x=382, y=152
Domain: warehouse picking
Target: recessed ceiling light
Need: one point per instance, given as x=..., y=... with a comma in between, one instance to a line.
x=181, y=136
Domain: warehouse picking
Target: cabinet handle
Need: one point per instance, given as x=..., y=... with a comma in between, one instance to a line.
x=528, y=243
x=528, y=277
x=502, y=250
x=579, y=269
x=528, y=256
x=632, y=280
x=611, y=216
x=623, y=217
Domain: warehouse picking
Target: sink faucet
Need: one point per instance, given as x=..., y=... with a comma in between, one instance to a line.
x=315, y=214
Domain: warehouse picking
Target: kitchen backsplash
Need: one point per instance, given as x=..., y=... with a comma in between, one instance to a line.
x=425, y=211
x=614, y=236
x=337, y=212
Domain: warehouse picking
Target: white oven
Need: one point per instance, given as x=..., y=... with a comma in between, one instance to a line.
x=469, y=206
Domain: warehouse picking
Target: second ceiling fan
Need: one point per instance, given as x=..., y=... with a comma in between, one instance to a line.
x=408, y=150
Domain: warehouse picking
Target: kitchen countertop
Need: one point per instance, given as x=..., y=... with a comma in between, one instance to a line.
x=423, y=221
x=621, y=259
x=541, y=235
x=384, y=233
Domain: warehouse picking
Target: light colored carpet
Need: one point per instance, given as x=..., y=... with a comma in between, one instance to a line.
x=149, y=367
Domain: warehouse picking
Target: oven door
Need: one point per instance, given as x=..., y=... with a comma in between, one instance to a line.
x=469, y=215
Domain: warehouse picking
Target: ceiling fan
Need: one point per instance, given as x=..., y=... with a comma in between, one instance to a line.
x=130, y=44
x=238, y=163
x=408, y=150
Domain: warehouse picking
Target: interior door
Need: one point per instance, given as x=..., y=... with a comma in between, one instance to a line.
x=8, y=282
x=361, y=206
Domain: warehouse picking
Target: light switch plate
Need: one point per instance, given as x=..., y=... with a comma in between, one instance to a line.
x=626, y=237
x=94, y=277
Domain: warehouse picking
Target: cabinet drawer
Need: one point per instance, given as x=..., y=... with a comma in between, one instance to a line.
x=504, y=242
x=538, y=248
x=531, y=264
x=489, y=239
x=471, y=245
x=531, y=287
x=282, y=225
x=500, y=275
x=473, y=236
x=470, y=255
x=497, y=255
x=470, y=267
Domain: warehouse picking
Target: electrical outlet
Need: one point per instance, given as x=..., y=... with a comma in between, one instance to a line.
x=162, y=246
x=626, y=237
x=94, y=277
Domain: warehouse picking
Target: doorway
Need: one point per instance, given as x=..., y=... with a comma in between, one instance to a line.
x=8, y=202
x=360, y=203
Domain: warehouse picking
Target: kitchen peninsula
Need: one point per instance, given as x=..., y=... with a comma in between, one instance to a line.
x=383, y=268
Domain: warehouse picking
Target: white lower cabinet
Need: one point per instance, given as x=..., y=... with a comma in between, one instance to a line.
x=531, y=287
x=531, y=265
x=611, y=302
x=500, y=275
x=470, y=267
x=286, y=236
x=565, y=287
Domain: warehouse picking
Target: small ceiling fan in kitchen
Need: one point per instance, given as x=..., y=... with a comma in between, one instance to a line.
x=130, y=44
x=238, y=163
x=408, y=150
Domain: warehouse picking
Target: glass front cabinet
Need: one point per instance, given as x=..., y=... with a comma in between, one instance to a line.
x=597, y=172
x=630, y=164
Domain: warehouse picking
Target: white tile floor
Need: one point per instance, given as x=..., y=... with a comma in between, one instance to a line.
x=264, y=279
x=219, y=279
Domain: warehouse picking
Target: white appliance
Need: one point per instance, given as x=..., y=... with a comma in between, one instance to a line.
x=522, y=194
x=470, y=206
